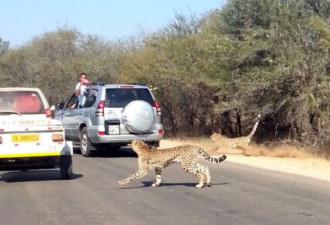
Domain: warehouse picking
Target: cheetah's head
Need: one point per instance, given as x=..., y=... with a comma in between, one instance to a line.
x=215, y=136
x=138, y=145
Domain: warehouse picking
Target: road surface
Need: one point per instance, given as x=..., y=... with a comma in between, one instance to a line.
x=240, y=195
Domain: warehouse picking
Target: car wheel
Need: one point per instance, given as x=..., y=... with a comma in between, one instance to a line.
x=138, y=116
x=65, y=166
x=85, y=143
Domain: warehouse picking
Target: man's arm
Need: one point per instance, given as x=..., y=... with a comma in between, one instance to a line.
x=77, y=91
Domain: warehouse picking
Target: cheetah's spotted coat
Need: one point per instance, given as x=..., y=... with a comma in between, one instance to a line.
x=160, y=158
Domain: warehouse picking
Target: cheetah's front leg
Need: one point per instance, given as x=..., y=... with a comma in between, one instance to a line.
x=140, y=173
x=158, y=171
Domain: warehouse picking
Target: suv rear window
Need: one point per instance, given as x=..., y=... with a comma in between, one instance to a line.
x=24, y=102
x=120, y=97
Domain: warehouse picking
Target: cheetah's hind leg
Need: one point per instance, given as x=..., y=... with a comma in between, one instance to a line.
x=203, y=173
x=199, y=171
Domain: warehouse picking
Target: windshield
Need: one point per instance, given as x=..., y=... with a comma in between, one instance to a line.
x=119, y=97
x=21, y=102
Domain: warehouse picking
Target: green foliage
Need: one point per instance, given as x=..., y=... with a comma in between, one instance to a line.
x=4, y=46
x=54, y=60
x=242, y=14
x=182, y=26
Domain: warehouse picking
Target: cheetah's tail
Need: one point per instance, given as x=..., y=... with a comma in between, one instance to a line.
x=210, y=158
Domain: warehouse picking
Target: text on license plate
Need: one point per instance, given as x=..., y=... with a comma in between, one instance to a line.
x=25, y=137
x=113, y=129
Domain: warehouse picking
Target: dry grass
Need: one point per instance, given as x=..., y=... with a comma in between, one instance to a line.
x=280, y=151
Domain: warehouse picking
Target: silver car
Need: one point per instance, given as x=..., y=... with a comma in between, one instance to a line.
x=112, y=116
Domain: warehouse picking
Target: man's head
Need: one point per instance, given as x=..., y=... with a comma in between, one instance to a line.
x=82, y=77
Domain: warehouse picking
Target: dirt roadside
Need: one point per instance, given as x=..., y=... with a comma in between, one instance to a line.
x=304, y=166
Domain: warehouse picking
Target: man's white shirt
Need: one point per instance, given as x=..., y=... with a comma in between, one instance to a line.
x=82, y=89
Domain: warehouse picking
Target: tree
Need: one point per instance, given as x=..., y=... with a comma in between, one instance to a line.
x=4, y=46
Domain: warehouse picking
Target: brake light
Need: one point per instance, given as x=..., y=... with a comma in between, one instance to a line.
x=48, y=113
x=101, y=133
x=160, y=131
x=100, y=109
x=158, y=109
x=126, y=86
x=57, y=138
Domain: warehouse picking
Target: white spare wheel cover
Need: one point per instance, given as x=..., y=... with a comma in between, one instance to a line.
x=138, y=116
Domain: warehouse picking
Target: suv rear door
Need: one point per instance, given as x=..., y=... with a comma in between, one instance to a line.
x=118, y=98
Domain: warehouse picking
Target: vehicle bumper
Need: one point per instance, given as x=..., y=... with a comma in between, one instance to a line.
x=34, y=160
x=123, y=138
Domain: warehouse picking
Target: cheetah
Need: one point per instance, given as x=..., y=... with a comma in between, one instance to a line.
x=238, y=142
x=149, y=158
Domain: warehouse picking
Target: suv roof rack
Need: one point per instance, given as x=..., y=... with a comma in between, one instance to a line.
x=99, y=83
x=142, y=84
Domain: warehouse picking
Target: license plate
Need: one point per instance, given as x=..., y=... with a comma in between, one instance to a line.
x=113, y=129
x=25, y=137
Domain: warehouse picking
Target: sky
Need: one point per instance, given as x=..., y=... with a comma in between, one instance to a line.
x=21, y=20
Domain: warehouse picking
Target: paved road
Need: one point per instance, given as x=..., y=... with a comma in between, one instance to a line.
x=240, y=195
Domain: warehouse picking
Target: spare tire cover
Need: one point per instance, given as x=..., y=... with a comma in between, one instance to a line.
x=138, y=116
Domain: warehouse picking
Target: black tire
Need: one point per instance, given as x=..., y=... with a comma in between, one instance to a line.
x=85, y=143
x=154, y=144
x=65, y=166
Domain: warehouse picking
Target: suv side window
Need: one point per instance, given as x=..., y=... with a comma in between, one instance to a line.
x=90, y=97
x=73, y=102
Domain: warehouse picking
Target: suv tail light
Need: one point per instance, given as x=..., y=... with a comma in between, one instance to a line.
x=100, y=109
x=48, y=113
x=158, y=109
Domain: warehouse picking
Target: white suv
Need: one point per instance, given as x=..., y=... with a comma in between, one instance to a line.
x=29, y=137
